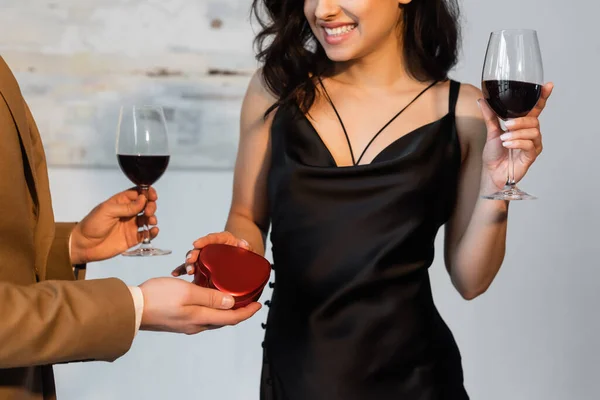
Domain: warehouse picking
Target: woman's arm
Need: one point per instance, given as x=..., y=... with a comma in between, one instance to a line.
x=248, y=221
x=476, y=233
x=248, y=216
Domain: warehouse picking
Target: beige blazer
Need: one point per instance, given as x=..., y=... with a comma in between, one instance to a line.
x=46, y=316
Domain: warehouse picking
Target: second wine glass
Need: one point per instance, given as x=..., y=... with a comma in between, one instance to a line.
x=143, y=155
x=512, y=84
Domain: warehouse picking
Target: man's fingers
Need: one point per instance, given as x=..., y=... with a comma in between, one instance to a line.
x=150, y=221
x=208, y=316
x=128, y=209
x=153, y=233
x=211, y=298
x=150, y=209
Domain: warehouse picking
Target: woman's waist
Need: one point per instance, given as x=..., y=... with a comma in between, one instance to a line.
x=344, y=248
x=317, y=279
x=370, y=301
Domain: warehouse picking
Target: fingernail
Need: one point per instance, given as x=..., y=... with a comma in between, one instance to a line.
x=227, y=302
x=505, y=136
x=188, y=256
x=188, y=268
x=245, y=243
x=506, y=144
x=478, y=103
x=509, y=123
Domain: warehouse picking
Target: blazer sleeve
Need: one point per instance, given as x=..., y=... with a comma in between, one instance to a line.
x=58, y=266
x=53, y=322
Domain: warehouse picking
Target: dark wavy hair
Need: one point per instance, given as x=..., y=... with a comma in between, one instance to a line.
x=292, y=57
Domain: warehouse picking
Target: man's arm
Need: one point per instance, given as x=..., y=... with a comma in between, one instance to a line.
x=52, y=322
x=62, y=321
x=59, y=266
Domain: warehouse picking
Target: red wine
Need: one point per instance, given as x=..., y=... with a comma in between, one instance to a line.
x=511, y=99
x=143, y=170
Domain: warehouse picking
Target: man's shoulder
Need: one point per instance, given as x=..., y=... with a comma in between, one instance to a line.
x=9, y=87
x=6, y=74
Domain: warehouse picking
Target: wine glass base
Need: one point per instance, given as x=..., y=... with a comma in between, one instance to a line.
x=509, y=193
x=146, y=252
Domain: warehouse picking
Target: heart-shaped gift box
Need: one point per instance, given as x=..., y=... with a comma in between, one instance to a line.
x=233, y=270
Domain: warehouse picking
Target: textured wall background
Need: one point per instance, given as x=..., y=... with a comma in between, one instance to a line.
x=78, y=61
x=533, y=335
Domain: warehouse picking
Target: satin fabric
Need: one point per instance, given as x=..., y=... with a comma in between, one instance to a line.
x=352, y=315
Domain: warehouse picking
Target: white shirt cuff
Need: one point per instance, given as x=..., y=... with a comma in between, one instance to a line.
x=70, y=236
x=138, y=303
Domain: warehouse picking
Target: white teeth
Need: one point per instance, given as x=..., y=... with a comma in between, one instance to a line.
x=339, y=30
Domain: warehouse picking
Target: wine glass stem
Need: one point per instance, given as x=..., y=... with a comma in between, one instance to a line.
x=146, y=231
x=511, y=169
x=510, y=172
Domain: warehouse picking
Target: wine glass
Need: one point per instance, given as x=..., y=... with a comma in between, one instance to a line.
x=143, y=155
x=512, y=82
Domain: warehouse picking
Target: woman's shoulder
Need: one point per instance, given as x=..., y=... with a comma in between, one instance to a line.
x=470, y=125
x=259, y=90
x=258, y=99
x=467, y=97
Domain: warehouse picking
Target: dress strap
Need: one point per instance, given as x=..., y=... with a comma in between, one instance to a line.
x=453, y=97
x=339, y=119
x=354, y=160
x=392, y=120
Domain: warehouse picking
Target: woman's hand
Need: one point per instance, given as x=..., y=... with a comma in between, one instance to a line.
x=212, y=238
x=523, y=136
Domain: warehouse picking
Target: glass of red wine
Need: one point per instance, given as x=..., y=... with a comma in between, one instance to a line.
x=143, y=155
x=512, y=82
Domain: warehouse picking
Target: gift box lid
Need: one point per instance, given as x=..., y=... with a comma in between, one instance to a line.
x=234, y=270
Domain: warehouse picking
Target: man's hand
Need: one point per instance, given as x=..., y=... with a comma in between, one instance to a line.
x=175, y=305
x=112, y=227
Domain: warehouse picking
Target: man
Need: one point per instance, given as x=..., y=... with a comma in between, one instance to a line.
x=48, y=317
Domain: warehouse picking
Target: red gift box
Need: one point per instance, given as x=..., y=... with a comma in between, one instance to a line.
x=233, y=270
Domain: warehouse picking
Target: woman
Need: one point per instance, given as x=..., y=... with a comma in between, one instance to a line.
x=354, y=208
